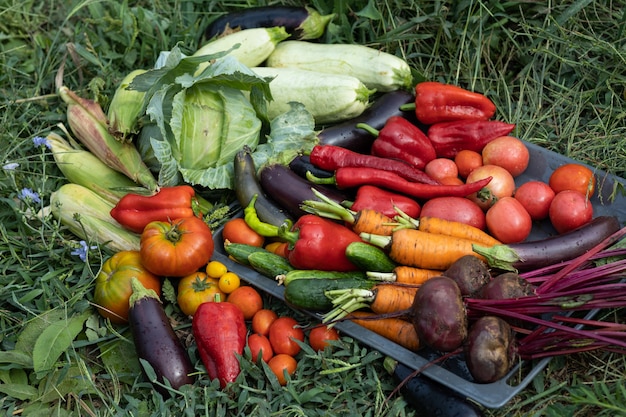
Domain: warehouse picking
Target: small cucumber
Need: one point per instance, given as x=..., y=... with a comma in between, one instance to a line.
x=369, y=257
x=240, y=251
x=269, y=264
x=319, y=274
x=309, y=294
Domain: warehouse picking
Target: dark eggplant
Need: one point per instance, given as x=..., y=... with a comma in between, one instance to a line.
x=289, y=189
x=301, y=164
x=299, y=22
x=529, y=255
x=347, y=135
x=428, y=397
x=247, y=185
x=155, y=340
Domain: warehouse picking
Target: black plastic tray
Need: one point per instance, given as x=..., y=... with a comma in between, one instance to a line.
x=453, y=373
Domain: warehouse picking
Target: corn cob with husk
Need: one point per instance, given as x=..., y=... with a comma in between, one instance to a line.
x=82, y=167
x=125, y=109
x=89, y=124
x=87, y=215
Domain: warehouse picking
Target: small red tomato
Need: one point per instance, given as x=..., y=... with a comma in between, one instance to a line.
x=508, y=152
x=284, y=332
x=570, y=209
x=573, y=176
x=508, y=221
x=502, y=184
x=237, y=231
x=260, y=345
x=458, y=209
x=262, y=320
x=440, y=168
x=466, y=161
x=320, y=335
x=536, y=197
x=282, y=363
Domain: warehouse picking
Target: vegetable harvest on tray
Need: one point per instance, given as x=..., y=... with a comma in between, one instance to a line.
x=264, y=164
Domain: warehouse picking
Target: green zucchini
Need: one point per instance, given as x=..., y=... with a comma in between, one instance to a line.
x=378, y=70
x=309, y=294
x=240, y=251
x=369, y=257
x=319, y=274
x=329, y=98
x=269, y=264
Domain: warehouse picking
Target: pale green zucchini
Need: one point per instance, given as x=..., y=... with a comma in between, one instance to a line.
x=253, y=46
x=376, y=69
x=329, y=98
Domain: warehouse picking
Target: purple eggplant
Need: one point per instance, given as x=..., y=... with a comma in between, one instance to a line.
x=289, y=189
x=299, y=22
x=347, y=135
x=301, y=164
x=535, y=254
x=156, y=342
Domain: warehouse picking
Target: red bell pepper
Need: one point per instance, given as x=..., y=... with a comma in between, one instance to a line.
x=331, y=157
x=401, y=139
x=437, y=102
x=449, y=138
x=350, y=177
x=374, y=198
x=135, y=211
x=220, y=332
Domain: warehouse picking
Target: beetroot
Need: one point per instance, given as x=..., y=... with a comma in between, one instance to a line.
x=438, y=314
x=470, y=273
x=506, y=286
x=489, y=350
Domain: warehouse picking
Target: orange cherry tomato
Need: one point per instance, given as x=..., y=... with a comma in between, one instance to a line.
x=237, y=231
x=575, y=177
x=281, y=363
x=466, y=161
x=262, y=320
x=247, y=299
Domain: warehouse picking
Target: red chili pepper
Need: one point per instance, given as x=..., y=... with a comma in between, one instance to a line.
x=449, y=138
x=319, y=243
x=135, y=211
x=331, y=157
x=437, y=102
x=375, y=198
x=350, y=177
x=220, y=332
x=401, y=139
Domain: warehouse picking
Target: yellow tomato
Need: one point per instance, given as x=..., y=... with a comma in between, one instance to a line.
x=229, y=282
x=216, y=269
x=196, y=289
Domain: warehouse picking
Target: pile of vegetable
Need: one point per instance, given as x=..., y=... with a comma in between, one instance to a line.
x=367, y=196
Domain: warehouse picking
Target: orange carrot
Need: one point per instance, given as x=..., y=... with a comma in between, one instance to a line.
x=456, y=229
x=403, y=274
x=396, y=330
x=372, y=221
x=390, y=298
x=412, y=247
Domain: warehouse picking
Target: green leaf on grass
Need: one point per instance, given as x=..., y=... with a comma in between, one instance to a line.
x=55, y=340
x=19, y=391
x=15, y=359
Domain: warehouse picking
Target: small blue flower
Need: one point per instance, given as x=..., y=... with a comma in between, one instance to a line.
x=41, y=141
x=11, y=166
x=81, y=252
x=28, y=194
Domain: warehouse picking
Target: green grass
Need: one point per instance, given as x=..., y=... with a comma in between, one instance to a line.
x=556, y=69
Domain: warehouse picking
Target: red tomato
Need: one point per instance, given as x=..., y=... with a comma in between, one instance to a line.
x=451, y=181
x=502, y=184
x=237, y=231
x=177, y=248
x=536, y=197
x=458, y=209
x=440, y=168
x=570, y=209
x=508, y=221
x=320, y=335
x=262, y=320
x=466, y=161
x=282, y=363
x=247, y=299
x=284, y=332
x=113, y=288
x=573, y=177
x=260, y=344
x=508, y=152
